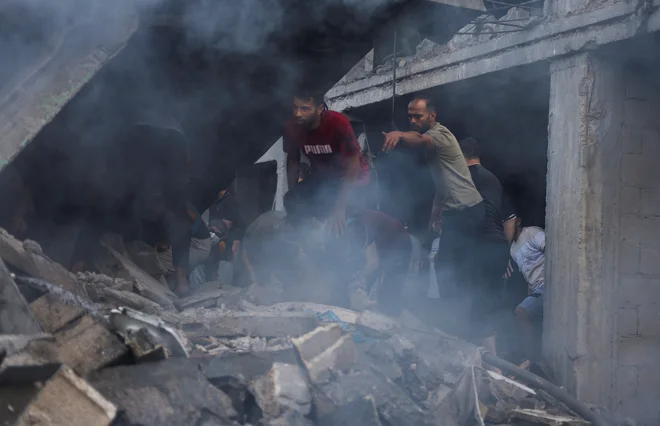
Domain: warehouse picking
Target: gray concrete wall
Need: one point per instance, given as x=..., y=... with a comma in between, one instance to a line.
x=602, y=328
x=586, y=114
x=638, y=314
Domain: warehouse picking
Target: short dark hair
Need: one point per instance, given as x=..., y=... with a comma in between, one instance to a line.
x=430, y=103
x=310, y=94
x=470, y=147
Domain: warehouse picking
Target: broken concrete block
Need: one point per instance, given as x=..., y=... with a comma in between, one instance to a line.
x=36, y=264
x=129, y=299
x=15, y=314
x=53, y=314
x=13, y=343
x=221, y=323
x=145, y=347
x=200, y=299
x=326, y=352
x=359, y=412
x=283, y=388
x=67, y=400
x=544, y=418
x=87, y=346
x=145, y=284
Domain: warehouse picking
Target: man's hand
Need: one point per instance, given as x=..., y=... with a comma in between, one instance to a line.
x=509, y=270
x=392, y=139
x=337, y=221
x=236, y=247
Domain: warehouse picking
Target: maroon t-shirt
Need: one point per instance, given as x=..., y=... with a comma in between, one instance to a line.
x=387, y=232
x=327, y=146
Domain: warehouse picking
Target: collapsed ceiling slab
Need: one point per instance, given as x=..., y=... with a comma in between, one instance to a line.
x=225, y=70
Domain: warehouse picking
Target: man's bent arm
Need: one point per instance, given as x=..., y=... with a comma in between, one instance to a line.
x=352, y=172
x=292, y=168
x=416, y=139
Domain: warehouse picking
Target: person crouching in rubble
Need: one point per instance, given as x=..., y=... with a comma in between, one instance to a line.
x=339, y=173
x=528, y=251
x=372, y=256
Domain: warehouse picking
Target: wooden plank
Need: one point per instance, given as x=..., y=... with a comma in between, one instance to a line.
x=15, y=314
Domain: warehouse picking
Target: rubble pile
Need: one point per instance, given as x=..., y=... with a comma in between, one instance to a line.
x=95, y=349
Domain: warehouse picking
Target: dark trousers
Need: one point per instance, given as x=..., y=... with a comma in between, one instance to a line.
x=321, y=195
x=456, y=258
x=395, y=271
x=491, y=257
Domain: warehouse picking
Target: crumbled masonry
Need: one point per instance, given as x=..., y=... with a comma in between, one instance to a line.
x=134, y=354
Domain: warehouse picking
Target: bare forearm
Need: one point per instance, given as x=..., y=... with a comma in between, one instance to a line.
x=292, y=170
x=352, y=172
x=415, y=138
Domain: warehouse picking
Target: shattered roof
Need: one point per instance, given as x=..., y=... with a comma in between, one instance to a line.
x=317, y=41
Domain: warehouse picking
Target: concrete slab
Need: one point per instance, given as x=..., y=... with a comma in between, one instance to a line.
x=15, y=314
x=27, y=257
x=221, y=323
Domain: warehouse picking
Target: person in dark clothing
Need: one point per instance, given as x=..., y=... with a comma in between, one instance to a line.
x=339, y=171
x=492, y=252
x=147, y=195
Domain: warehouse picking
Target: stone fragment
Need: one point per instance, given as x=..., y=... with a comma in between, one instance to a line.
x=326, y=352
x=282, y=389
x=53, y=314
x=145, y=347
x=87, y=346
x=221, y=323
x=67, y=400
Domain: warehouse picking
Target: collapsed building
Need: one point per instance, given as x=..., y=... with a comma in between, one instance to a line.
x=292, y=364
x=564, y=98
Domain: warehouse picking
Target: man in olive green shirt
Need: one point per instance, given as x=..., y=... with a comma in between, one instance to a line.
x=456, y=197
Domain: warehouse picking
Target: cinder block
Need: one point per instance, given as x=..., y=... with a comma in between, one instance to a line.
x=638, y=351
x=629, y=257
x=650, y=204
x=627, y=322
x=626, y=381
x=637, y=112
x=634, y=290
x=631, y=140
x=651, y=142
x=640, y=230
x=648, y=382
x=649, y=321
x=638, y=170
x=649, y=261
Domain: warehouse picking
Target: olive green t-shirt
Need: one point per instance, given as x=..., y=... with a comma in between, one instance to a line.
x=451, y=175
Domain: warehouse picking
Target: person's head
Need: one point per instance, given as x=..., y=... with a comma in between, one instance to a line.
x=471, y=149
x=421, y=114
x=512, y=233
x=307, y=108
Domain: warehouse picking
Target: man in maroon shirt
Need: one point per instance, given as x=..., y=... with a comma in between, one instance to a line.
x=337, y=166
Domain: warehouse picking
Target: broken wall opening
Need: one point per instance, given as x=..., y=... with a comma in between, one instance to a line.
x=506, y=111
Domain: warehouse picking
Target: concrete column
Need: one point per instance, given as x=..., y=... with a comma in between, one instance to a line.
x=584, y=153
